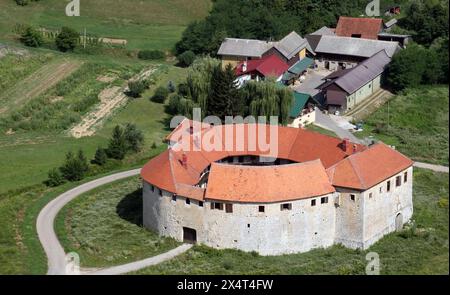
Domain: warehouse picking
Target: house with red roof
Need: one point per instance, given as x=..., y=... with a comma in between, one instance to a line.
x=359, y=27
x=306, y=191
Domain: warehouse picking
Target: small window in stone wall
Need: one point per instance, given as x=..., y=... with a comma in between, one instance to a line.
x=216, y=206
x=261, y=209
x=159, y=192
x=352, y=197
x=370, y=195
x=324, y=200
x=287, y=206
x=200, y=203
x=381, y=189
x=405, y=177
x=398, y=181
x=188, y=201
x=313, y=203
x=388, y=186
x=174, y=198
x=229, y=208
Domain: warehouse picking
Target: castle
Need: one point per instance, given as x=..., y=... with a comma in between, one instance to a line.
x=318, y=191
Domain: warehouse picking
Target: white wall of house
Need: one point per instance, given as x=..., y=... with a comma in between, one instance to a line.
x=364, y=92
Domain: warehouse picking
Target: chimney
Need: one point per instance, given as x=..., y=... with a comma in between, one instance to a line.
x=184, y=160
x=354, y=148
x=346, y=146
x=244, y=67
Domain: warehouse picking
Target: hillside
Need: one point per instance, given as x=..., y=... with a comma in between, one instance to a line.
x=153, y=24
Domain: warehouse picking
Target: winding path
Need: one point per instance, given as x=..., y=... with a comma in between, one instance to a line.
x=53, y=248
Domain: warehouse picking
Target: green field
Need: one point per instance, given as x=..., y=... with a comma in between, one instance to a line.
x=416, y=122
x=118, y=235
x=145, y=24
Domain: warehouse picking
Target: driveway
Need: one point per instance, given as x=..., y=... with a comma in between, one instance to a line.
x=53, y=248
x=326, y=122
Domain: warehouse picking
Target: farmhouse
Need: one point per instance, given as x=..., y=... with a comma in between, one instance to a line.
x=345, y=89
x=290, y=49
x=318, y=191
x=359, y=27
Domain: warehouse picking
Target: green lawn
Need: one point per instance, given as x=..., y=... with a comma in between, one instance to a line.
x=117, y=236
x=146, y=24
x=416, y=122
x=422, y=251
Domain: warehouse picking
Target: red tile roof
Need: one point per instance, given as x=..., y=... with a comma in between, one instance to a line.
x=270, y=65
x=267, y=184
x=368, y=168
x=175, y=169
x=368, y=28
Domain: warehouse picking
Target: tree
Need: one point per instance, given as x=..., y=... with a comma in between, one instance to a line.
x=186, y=58
x=223, y=98
x=55, y=178
x=74, y=167
x=137, y=87
x=406, y=68
x=174, y=104
x=117, y=147
x=31, y=37
x=160, y=95
x=100, y=157
x=133, y=137
x=67, y=39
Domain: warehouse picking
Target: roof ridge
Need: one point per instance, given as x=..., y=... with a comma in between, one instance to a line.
x=357, y=171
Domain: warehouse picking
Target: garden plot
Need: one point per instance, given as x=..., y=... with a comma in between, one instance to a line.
x=110, y=98
x=37, y=83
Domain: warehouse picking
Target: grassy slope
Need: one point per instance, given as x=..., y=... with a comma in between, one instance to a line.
x=151, y=24
x=118, y=236
x=418, y=124
x=423, y=252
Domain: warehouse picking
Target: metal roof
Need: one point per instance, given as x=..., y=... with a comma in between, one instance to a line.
x=324, y=31
x=292, y=44
x=244, y=47
x=298, y=68
x=300, y=100
x=391, y=23
x=355, y=46
x=364, y=72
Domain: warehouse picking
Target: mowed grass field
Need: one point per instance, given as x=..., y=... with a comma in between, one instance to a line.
x=145, y=24
x=415, y=122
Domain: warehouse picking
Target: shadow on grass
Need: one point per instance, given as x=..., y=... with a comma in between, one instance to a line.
x=130, y=207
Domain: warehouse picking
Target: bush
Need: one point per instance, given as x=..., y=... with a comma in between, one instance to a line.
x=75, y=167
x=174, y=104
x=183, y=89
x=22, y=2
x=161, y=94
x=100, y=157
x=31, y=37
x=67, y=39
x=55, y=178
x=137, y=87
x=151, y=54
x=171, y=87
x=186, y=58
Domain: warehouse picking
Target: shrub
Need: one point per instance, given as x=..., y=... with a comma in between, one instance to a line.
x=171, y=87
x=100, y=157
x=153, y=145
x=55, y=178
x=31, y=37
x=22, y=2
x=137, y=87
x=183, y=89
x=133, y=137
x=161, y=94
x=151, y=54
x=67, y=39
x=174, y=104
x=75, y=167
x=186, y=58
